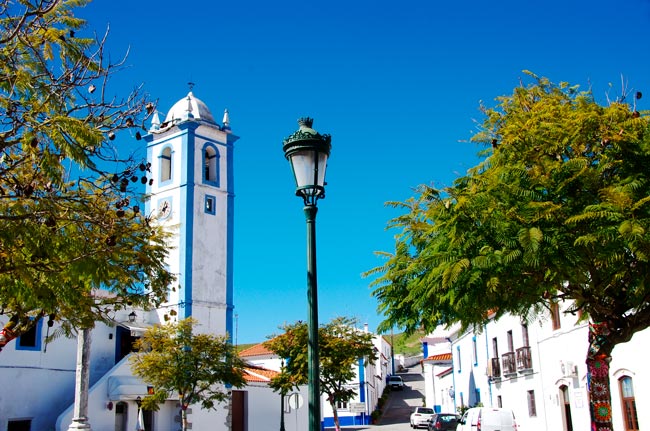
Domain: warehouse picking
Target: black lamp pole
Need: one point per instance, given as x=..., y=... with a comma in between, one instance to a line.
x=308, y=150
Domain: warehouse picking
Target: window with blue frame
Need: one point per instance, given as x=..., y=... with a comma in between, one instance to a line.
x=210, y=204
x=165, y=165
x=474, y=351
x=211, y=165
x=458, y=357
x=31, y=340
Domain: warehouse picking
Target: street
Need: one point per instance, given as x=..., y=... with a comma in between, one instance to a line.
x=400, y=404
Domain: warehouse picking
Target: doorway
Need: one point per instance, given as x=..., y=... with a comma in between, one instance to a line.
x=565, y=405
x=239, y=411
x=19, y=425
x=124, y=343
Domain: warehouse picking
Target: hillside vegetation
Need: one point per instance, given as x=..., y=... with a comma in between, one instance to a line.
x=407, y=345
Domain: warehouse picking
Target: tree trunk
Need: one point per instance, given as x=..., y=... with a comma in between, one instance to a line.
x=337, y=427
x=598, y=359
x=183, y=417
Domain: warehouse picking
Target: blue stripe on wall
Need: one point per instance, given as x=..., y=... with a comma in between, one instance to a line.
x=230, y=236
x=362, y=381
x=186, y=245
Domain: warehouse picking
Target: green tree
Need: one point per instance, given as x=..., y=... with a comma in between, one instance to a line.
x=176, y=361
x=341, y=346
x=71, y=221
x=558, y=210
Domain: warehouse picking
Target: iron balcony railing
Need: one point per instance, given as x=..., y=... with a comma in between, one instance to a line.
x=524, y=360
x=494, y=369
x=509, y=363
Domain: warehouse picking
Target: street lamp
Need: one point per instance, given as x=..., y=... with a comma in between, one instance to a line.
x=307, y=151
x=282, y=400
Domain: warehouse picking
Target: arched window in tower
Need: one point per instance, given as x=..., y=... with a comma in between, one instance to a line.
x=211, y=165
x=166, y=164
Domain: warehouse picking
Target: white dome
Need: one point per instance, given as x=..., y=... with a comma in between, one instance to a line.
x=189, y=108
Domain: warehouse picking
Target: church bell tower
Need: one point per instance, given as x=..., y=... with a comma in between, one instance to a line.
x=192, y=195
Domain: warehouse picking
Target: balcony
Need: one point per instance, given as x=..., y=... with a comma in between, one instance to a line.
x=524, y=360
x=494, y=369
x=509, y=364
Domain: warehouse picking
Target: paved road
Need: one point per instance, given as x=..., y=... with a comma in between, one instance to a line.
x=400, y=404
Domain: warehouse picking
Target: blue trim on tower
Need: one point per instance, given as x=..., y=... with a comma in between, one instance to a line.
x=230, y=235
x=186, y=244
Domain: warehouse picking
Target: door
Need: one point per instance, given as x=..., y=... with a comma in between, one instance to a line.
x=121, y=409
x=565, y=405
x=19, y=425
x=239, y=411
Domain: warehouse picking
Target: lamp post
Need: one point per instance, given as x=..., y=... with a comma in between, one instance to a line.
x=307, y=151
x=282, y=401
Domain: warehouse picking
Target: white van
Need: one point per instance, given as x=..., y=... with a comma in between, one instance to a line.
x=487, y=419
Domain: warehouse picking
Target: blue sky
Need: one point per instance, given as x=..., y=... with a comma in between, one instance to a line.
x=396, y=84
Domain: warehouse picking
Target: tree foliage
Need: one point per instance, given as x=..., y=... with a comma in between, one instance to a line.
x=559, y=209
x=178, y=362
x=71, y=220
x=340, y=345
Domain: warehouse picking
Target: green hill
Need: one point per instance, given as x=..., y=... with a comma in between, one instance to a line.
x=406, y=345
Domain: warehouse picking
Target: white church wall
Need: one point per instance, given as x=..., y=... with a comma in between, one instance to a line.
x=263, y=409
x=42, y=381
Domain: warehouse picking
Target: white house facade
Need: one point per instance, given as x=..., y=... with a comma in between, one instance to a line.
x=538, y=370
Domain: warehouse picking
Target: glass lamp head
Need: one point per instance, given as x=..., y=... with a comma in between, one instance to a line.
x=308, y=151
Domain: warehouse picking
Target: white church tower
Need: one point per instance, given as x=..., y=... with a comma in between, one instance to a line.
x=192, y=193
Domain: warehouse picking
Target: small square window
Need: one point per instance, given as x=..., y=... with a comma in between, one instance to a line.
x=210, y=204
x=30, y=340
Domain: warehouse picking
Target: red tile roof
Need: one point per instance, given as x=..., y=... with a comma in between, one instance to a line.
x=442, y=357
x=256, y=350
x=258, y=374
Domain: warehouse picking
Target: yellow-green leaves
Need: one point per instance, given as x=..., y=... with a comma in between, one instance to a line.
x=66, y=229
x=559, y=204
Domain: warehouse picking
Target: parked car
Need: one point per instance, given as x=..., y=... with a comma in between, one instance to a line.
x=420, y=417
x=443, y=422
x=396, y=382
x=487, y=419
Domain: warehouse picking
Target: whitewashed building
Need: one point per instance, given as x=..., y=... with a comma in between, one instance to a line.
x=538, y=370
x=191, y=158
x=437, y=371
x=369, y=384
